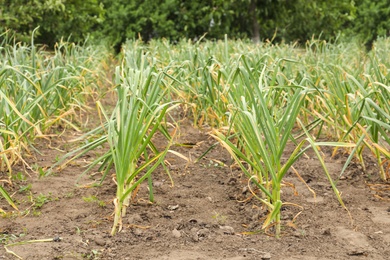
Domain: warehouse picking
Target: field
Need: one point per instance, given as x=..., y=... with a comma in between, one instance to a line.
x=206, y=150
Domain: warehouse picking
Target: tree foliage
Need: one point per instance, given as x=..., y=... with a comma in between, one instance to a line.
x=372, y=20
x=116, y=21
x=56, y=18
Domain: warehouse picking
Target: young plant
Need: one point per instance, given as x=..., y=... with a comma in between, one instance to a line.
x=135, y=120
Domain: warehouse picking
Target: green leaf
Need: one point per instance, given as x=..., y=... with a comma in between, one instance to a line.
x=7, y=197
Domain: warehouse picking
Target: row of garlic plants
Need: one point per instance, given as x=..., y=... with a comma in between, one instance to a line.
x=257, y=99
x=40, y=90
x=350, y=103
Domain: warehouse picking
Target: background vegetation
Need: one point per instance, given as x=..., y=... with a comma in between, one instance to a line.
x=260, y=20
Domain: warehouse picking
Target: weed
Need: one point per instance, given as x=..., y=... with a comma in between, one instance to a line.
x=94, y=254
x=10, y=238
x=19, y=176
x=94, y=199
x=40, y=200
x=26, y=188
x=69, y=195
x=36, y=213
x=7, y=238
x=214, y=163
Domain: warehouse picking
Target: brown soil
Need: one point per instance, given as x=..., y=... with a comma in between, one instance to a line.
x=206, y=214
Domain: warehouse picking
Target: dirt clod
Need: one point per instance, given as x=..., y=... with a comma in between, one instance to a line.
x=176, y=233
x=227, y=230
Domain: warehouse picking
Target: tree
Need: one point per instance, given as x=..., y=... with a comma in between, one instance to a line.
x=116, y=21
x=300, y=20
x=255, y=22
x=372, y=20
x=56, y=18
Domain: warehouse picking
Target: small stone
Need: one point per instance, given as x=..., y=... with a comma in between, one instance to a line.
x=100, y=241
x=173, y=207
x=203, y=233
x=297, y=233
x=176, y=233
x=158, y=183
x=357, y=253
x=137, y=232
x=195, y=237
x=326, y=232
x=265, y=256
x=227, y=230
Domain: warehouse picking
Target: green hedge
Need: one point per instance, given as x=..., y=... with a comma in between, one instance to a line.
x=114, y=21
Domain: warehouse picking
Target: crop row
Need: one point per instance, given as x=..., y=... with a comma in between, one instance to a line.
x=257, y=99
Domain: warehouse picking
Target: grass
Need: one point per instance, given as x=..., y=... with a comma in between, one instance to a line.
x=94, y=199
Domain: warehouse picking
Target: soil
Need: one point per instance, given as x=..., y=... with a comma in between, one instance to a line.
x=206, y=213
